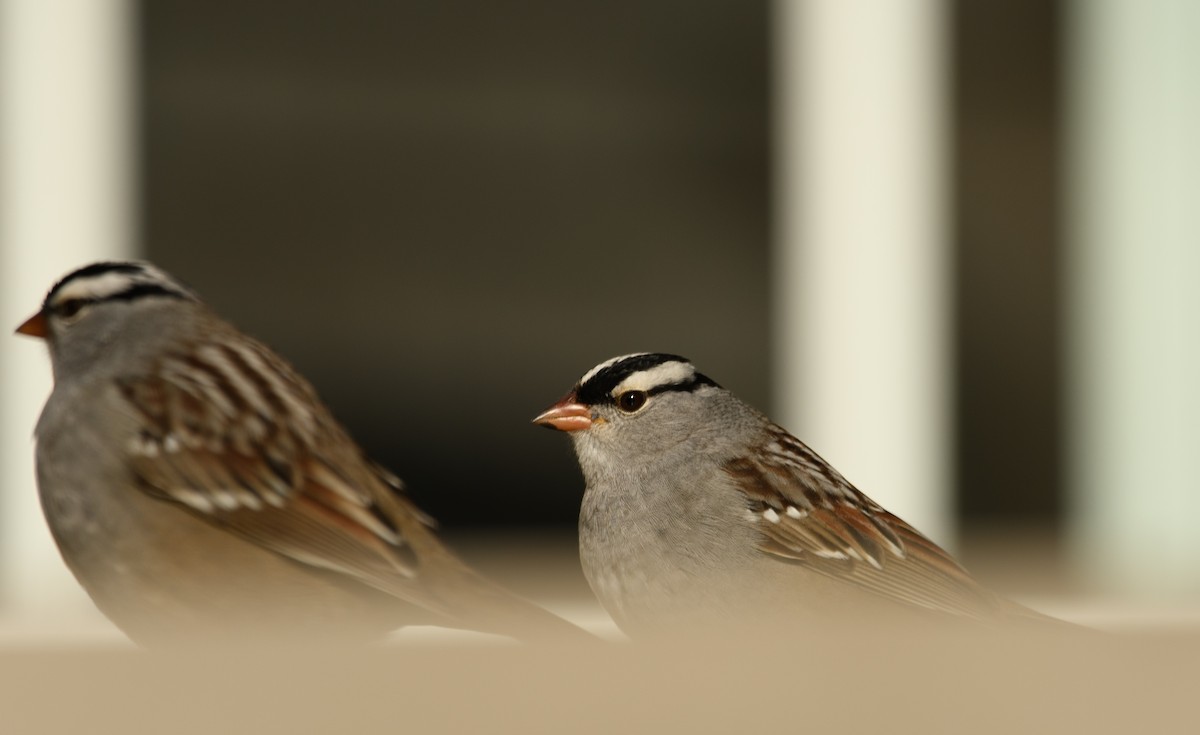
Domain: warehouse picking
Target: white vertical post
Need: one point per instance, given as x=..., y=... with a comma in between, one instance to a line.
x=1134, y=264
x=861, y=366
x=65, y=199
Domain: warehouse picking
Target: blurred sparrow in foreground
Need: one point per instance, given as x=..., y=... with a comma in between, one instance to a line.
x=199, y=490
x=700, y=510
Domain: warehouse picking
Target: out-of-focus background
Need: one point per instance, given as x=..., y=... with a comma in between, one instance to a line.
x=953, y=246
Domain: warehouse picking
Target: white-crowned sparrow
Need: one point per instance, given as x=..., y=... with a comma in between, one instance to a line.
x=199, y=489
x=700, y=510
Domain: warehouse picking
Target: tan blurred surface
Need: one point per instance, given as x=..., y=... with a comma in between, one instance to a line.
x=82, y=677
x=797, y=681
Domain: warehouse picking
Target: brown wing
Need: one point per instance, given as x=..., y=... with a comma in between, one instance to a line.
x=235, y=436
x=810, y=515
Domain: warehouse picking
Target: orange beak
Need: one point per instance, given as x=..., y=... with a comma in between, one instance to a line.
x=34, y=326
x=566, y=415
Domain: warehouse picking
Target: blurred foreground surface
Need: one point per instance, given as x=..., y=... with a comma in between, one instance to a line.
x=77, y=674
x=795, y=681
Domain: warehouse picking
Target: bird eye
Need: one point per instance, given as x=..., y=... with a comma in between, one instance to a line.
x=631, y=400
x=70, y=308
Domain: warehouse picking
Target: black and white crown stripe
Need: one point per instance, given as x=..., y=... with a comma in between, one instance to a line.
x=649, y=372
x=113, y=281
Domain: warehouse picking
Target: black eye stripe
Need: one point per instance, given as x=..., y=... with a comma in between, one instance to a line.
x=697, y=381
x=140, y=290
x=134, y=292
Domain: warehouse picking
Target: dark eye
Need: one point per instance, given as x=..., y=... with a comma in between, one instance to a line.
x=631, y=400
x=70, y=307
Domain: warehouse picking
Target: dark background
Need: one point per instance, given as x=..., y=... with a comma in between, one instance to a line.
x=444, y=213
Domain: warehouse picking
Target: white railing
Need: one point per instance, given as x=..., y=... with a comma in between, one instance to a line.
x=66, y=162
x=861, y=272
x=1133, y=74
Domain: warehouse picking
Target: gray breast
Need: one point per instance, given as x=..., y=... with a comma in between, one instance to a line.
x=662, y=550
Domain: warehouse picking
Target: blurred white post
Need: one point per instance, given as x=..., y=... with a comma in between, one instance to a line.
x=861, y=267
x=66, y=198
x=1134, y=264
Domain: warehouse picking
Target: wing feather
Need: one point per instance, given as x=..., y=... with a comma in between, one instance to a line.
x=810, y=515
x=276, y=469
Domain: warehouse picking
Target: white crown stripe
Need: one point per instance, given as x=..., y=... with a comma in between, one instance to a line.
x=607, y=364
x=98, y=287
x=107, y=284
x=668, y=373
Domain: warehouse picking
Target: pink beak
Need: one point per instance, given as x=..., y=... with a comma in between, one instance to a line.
x=566, y=415
x=35, y=326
